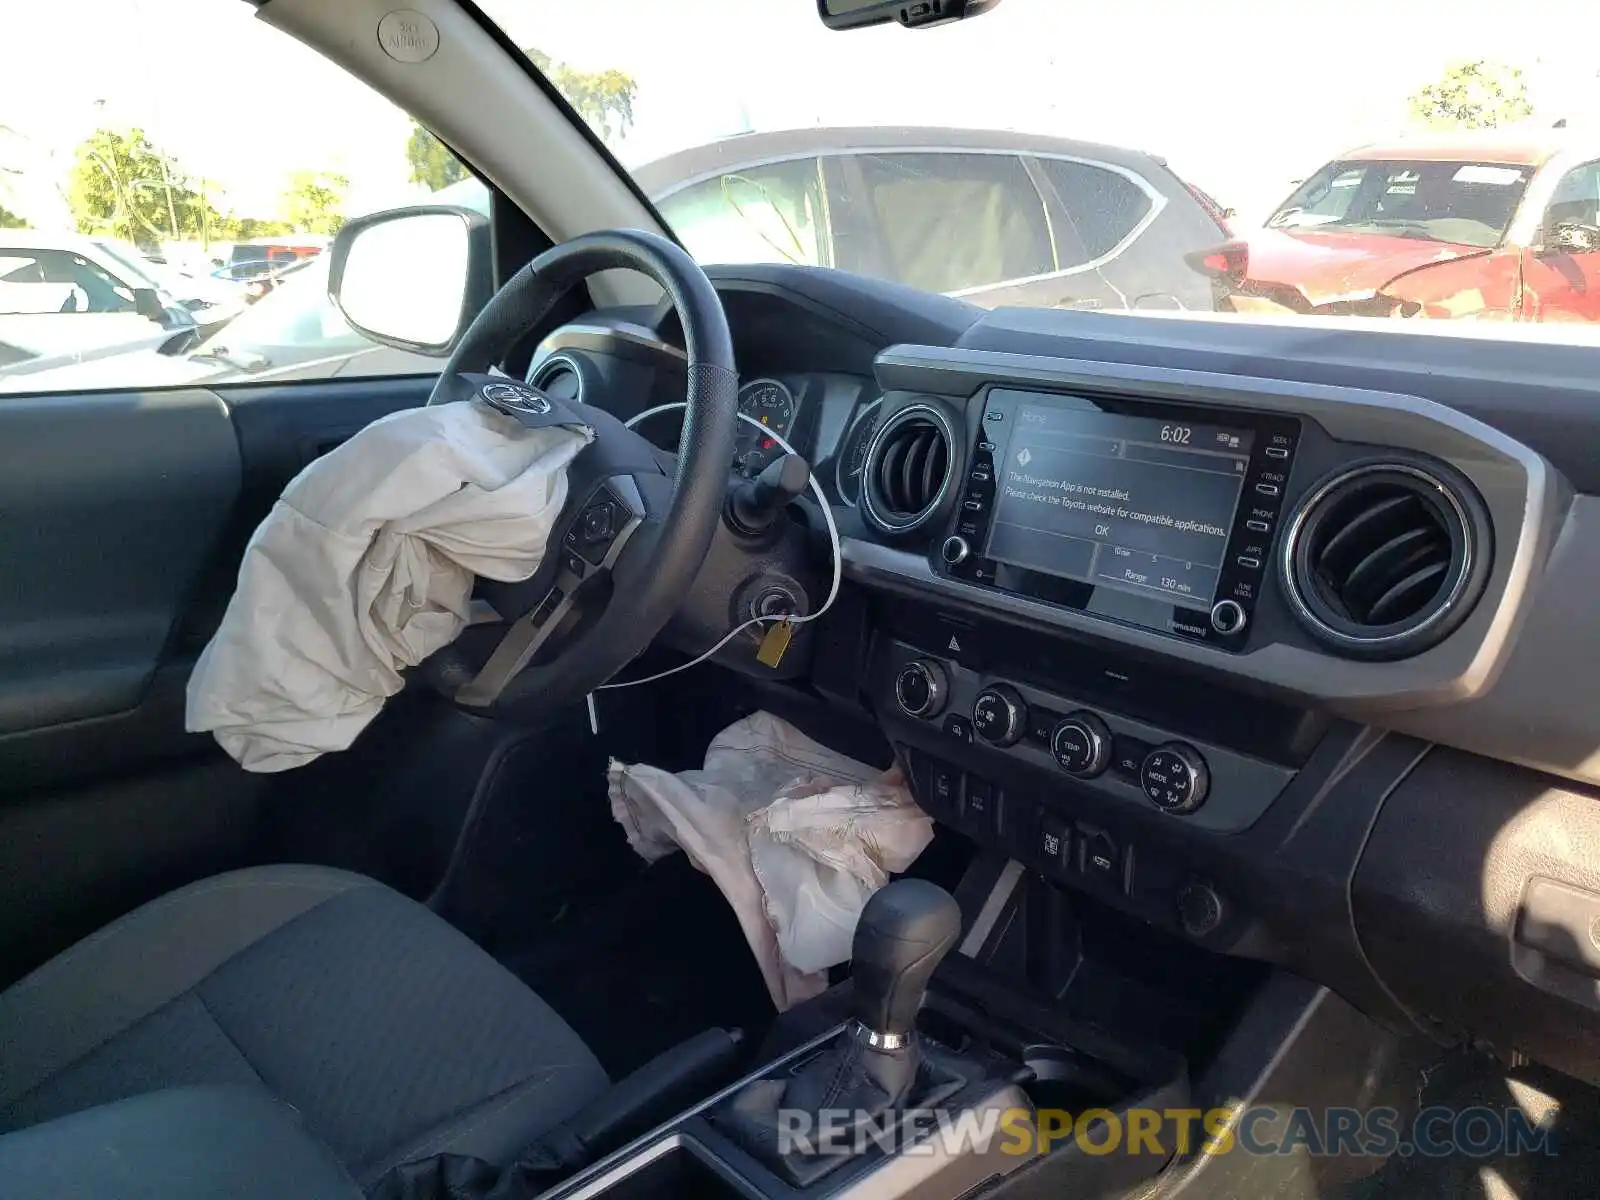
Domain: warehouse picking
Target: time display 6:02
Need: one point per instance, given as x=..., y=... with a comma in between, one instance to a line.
x=1181, y=434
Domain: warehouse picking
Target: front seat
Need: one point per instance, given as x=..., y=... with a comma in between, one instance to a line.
x=394, y=1035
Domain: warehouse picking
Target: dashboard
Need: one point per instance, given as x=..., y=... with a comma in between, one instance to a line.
x=828, y=416
x=1260, y=635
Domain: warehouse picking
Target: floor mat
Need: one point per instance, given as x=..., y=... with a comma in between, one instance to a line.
x=656, y=960
x=1570, y=1168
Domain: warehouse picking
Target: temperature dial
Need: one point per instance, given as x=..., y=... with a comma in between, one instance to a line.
x=1081, y=744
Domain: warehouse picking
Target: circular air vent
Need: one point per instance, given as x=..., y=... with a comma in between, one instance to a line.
x=560, y=378
x=1384, y=560
x=906, y=476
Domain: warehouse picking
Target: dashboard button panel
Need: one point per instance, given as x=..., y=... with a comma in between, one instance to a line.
x=944, y=785
x=1081, y=744
x=1000, y=715
x=1229, y=616
x=958, y=727
x=1091, y=856
x=981, y=807
x=920, y=689
x=1068, y=745
x=1054, y=843
x=955, y=550
x=1101, y=856
x=1175, y=778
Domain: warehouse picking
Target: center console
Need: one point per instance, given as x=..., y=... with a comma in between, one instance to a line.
x=937, y=1087
x=1134, y=627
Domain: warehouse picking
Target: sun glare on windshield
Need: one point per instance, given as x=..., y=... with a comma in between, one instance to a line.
x=1418, y=167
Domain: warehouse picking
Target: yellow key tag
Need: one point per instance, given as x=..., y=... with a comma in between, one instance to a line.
x=774, y=644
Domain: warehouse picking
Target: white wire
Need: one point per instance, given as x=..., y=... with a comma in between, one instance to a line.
x=833, y=542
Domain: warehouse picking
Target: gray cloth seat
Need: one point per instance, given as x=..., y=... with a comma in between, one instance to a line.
x=392, y=1034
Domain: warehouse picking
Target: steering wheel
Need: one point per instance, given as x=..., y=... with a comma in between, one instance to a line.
x=637, y=523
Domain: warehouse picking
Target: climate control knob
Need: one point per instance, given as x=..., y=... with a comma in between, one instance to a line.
x=920, y=688
x=999, y=715
x=1174, y=777
x=1081, y=744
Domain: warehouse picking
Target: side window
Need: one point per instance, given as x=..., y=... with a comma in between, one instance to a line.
x=1104, y=206
x=954, y=222
x=1576, y=200
x=223, y=208
x=771, y=213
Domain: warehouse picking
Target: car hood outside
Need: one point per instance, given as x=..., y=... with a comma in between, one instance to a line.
x=137, y=368
x=1330, y=267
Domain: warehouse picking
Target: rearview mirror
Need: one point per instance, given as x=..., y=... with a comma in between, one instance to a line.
x=412, y=278
x=856, y=14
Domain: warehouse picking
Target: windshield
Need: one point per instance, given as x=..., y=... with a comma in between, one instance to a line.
x=1195, y=161
x=1091, y=157
x=1470, y=203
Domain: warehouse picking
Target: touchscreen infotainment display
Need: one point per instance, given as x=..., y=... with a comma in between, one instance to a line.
x=1133, y=503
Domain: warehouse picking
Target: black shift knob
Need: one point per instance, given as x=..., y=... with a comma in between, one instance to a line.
x=902, y=934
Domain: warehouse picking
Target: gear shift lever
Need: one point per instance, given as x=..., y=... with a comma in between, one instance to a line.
x=874, y=1069
x=901, y=936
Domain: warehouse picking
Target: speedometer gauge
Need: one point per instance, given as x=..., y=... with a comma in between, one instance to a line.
x=772, y=405
x=852, y=458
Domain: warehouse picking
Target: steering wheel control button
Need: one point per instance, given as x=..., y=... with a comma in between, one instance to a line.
x=596, y=528
x=955, y=551
x=1228, y=617
x=1174, y=778
x=999, y=715
x=920, y=689
x=959, y=728
x=1200, y=909
x=1081, y=745
x=596, y=524
x=551, y=602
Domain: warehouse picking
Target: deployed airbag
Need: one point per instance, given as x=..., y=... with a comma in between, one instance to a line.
x=796, y=836
x=365, y=567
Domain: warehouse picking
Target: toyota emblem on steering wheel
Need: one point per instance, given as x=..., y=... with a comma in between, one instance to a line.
x=513, y=397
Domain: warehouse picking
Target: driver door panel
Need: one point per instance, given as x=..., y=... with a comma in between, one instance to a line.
x=123, y=517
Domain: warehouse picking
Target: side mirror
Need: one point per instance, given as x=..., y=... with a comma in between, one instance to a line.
x=1571, y=237
x=855, y=14
x=412, y=278
x=147, y=303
